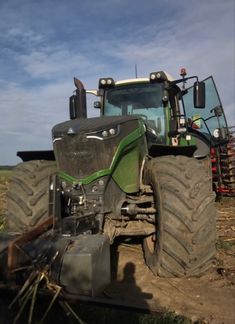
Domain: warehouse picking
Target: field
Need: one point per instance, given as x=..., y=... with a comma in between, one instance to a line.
x=4, y=182
x=209, y=299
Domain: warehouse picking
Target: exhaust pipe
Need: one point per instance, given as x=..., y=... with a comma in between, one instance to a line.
x=77, y=102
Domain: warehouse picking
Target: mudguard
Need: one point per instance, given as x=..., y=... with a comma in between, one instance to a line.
x=36, y=155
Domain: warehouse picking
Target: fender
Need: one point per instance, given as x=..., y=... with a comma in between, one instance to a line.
x=36, y=155
x=157, y=150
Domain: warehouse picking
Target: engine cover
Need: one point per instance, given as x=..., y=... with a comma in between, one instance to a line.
x=81, y=149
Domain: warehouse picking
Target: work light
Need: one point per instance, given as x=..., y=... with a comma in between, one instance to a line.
x=106, y=83
x=157, y=76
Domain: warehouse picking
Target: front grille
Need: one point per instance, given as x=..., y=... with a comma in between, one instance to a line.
x=80, y=156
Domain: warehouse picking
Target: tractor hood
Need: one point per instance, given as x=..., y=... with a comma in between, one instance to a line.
x=85, y=146
x=89, y=124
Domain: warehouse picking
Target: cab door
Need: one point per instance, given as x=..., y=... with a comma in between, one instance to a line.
x=209, y=121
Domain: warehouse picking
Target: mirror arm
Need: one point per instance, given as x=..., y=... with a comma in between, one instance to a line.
x=183, y=80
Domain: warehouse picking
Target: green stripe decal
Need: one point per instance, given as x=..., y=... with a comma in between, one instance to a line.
x=124, y=142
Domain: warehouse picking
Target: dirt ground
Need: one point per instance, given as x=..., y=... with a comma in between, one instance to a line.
x=208, y=299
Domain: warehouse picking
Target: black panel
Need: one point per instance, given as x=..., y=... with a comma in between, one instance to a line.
x=160, y=150
x=36, y=155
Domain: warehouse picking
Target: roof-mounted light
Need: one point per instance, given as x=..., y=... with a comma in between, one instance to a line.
x=158, y=76
x=106, y=83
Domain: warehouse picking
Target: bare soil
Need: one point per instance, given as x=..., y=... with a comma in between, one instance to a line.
x=208, y=299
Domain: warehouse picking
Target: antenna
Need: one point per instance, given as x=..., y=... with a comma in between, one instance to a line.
x=136, y=76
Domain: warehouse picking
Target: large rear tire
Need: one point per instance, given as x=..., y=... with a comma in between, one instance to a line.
x=184, y=242
x=27, y=198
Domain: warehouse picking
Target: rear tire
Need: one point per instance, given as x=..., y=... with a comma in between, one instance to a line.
x=185, y=236
x=27, y=198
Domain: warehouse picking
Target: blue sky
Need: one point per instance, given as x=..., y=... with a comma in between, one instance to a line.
x=44, y=44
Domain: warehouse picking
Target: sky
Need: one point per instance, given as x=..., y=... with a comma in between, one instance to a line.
x=44, y=44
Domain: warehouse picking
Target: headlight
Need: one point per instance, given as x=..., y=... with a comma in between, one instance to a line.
x=104, y=134
x=112, y=131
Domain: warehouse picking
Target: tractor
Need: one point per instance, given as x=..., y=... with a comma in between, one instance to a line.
x=142, y=169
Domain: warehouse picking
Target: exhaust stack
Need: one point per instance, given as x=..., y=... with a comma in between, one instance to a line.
x=77, y=102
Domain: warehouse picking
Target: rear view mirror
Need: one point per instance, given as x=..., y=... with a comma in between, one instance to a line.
x=199, y=94
x=97, y=104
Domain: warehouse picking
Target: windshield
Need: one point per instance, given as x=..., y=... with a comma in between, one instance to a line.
x=211, y=120
x=140, y=99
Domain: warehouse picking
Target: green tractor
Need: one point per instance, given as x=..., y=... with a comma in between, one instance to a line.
x=140, y=169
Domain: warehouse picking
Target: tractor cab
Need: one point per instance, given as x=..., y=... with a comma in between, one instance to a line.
x=142, y=99
x=172, y=116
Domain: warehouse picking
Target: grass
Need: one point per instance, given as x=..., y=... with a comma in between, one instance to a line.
x=224, y=245
x=4, y=183
x=5, y=173
x=105, y=315
x=93, y=314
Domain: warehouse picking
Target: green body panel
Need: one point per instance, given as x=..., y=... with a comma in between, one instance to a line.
x=127, y=172
x=183, y=141
x=128, y=156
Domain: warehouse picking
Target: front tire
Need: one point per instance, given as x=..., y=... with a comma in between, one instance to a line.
x=27, y=198
x=184, y=242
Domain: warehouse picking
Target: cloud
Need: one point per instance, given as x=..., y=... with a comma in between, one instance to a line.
x=22, y=35
x=28, y=115
x=26, y=112
x=194, y=40
x=44, y=45
x=53, y=62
